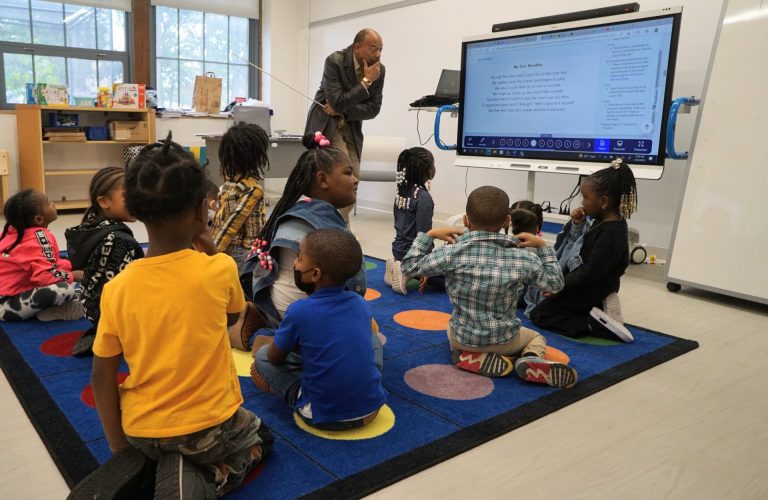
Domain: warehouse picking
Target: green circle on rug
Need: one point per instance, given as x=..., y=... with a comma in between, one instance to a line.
x=370, y=265
x=596, y=341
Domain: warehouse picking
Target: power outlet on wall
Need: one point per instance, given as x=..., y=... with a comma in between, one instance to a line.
x=3, y=162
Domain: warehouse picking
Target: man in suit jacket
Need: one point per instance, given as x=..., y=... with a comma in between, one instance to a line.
x=351, y=91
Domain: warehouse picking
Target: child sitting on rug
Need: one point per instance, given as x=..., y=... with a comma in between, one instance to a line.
x=34, y=279
x=413, y=212
x=325, y=175
x=102, y=245
x=567, y=248
x=325, y=362
x=241, y=212
x=535, y=209
x=484, y=272
x=167, y=316
x=588, y=303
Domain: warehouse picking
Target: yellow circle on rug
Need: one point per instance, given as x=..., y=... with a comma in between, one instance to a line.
x=421, y=319
x=243, y=362
x=371, y=294
x=383, y=422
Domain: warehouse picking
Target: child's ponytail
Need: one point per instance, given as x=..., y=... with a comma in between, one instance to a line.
x=102, y=184
x=618, y=183
x=20, y=211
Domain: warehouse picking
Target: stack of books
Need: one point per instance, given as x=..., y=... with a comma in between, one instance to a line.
x=63, y=134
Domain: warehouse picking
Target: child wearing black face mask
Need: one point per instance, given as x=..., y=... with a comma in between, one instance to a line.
x=335, y=383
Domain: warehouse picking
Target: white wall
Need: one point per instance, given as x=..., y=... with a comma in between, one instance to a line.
x=9, y=142
x=421, y=39
x=284, y=54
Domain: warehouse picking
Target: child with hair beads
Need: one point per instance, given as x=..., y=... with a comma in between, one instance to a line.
x=34, y=279
x=102, y=245
x=241, y=212
x=324, y=174
x=609, y=197
x=413, y=212
x=323, y=362
x=167, y=316
x=484, y=272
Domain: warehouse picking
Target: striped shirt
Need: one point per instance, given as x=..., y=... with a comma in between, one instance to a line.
x=240, y=216
x=484, y=275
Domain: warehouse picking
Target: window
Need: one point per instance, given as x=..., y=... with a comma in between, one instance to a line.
x=190, y=43
x=51, y=42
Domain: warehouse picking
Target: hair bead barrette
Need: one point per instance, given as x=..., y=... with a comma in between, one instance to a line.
x=321, y=140
x=617, y=163
x=262, y=253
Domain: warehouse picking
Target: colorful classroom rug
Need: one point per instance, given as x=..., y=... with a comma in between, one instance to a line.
x=434, y=411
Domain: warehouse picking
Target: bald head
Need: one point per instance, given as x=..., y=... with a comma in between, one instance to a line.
x=367, y=46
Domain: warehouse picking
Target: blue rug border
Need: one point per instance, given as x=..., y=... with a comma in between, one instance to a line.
x=62, y=440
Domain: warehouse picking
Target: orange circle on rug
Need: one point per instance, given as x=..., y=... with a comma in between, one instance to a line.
x=448, y=382
x=383, y=422
x=422, y=319
x=243, y=362
x=87, y=393
x=554, y=354
x=371, y=294
x=61, y=345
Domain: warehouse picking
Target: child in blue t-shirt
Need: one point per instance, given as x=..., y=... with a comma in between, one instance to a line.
x=324, y=361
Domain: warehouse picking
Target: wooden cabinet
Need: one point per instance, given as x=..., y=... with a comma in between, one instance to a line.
x=63, y=170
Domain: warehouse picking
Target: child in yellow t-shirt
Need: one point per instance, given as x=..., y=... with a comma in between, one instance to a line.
x=167, y=316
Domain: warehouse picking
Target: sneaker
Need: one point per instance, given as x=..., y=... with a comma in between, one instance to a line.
x=70, y=311
x=240, y=333
x=399, y=280
x=612, y=307
x=84, y=344
x=541, y=371
x=258, y=379
x=177, y=477
x=389, y=271
x=127, y=474
x=610, y=324
x=488, y=364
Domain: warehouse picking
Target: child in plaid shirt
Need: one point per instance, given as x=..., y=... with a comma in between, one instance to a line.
x=241, y=211
x=484, y=274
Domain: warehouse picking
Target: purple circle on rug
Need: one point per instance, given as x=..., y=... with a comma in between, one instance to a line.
x=448, y=382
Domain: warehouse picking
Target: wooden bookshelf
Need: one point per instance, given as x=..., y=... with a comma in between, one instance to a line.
x=38, y=159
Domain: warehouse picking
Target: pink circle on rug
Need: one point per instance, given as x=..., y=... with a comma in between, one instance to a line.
x=448, y=382
x=61, y=345
x=87, y=393
x=371, y=294
x=421, y=319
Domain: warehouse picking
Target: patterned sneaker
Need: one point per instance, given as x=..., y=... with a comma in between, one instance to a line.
x=70, y=311
x=612, y=307
x=177, y=477
x=389, y=271
x=127, y=474
x=541, y=371
x=399, y=280
x=240, y=333
x=488, y=364
x=258, y=379
x=611, y=325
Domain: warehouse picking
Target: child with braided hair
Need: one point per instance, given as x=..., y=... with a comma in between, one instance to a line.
x=101, y=245
x=413, y=213
x=323, y=174
x=241, y=211
x=34, y=279
x=166, y=315
x=588, y=304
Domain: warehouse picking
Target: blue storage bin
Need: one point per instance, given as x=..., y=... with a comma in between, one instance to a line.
x=96, y=133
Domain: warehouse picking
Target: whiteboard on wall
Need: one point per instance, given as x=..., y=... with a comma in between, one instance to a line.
x=720, y=239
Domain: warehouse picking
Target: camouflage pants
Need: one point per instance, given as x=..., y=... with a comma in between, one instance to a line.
x=226, y=450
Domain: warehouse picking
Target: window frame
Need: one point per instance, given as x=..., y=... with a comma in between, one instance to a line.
x=37, y=49
x=254, y=40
